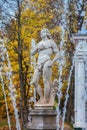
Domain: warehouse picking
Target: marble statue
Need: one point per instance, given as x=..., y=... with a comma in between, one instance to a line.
x=45, y=48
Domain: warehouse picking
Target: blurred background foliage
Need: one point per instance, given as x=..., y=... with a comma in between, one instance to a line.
x=21, y=21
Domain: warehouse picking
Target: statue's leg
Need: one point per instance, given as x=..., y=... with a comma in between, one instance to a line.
x=47, y=72
x=35, y=80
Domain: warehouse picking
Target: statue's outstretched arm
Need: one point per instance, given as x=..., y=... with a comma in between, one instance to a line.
x=34, y=48
x=34, y=51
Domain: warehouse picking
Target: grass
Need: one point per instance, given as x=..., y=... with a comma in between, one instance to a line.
x=4, y=121
x=69, y=125
x=4, y=124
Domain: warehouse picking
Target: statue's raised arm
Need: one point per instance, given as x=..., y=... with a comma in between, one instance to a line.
x=34, y=50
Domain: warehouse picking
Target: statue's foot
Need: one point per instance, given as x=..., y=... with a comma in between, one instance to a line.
x=44, y=101
x=48, y=102
x=39, y=101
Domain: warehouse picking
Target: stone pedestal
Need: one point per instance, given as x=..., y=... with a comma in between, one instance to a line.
x=42, y=118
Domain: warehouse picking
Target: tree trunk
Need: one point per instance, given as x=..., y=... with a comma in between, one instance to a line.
x=70, y=105
x=23, y=104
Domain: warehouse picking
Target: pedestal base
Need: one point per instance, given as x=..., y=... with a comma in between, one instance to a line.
x=79, y=129
x=79, y=126
x=42, y=119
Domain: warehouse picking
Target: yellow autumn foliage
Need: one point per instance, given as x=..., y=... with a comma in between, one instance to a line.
x=35, y=15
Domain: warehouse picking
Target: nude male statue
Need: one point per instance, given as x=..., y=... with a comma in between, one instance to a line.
x=45, y=48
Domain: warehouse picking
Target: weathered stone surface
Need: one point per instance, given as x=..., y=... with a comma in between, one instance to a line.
x=80, y=80
x=43, y=106
x=45, y=49
x=42, y=119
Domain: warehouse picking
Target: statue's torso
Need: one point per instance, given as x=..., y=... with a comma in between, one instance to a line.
x=45, y=50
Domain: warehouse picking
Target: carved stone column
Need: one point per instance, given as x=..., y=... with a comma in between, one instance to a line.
x=80, y=83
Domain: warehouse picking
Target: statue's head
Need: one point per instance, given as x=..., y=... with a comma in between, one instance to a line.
x=45, y=32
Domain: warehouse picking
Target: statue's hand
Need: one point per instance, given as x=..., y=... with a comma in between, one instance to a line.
x=31, y=83
x=32, y=52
